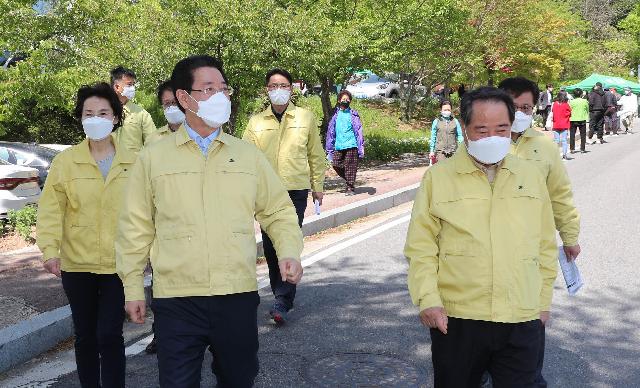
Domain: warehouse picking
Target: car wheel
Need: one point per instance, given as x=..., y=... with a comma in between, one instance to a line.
x=394, y=94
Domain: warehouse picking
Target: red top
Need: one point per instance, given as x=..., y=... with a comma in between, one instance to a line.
x=561, y=115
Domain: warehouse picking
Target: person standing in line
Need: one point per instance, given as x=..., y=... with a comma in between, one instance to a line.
x=446, y=134
x=76, y=228
x=611, y=106
x=290, y=139
x=172, y=113
x=138, y=124
x=628, y=109
x=579, y=117
x=561, y=111
x=545, y=100
x=482, y=253
x=597, y=107
x=190, y=206
x=345, y=141
x=531, y=145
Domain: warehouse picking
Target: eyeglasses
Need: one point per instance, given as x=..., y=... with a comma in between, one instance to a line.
x=210, y=91
x=278, y=86
x=524, y=108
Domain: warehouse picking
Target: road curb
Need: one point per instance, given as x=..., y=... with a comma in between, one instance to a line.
x=27, y=339
x=345, y=214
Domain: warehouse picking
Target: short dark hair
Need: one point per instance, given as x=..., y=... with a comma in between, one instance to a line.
x=562, y=97
x=345, y=92
x=182, y=75
x=120, y=72
x=577, y=92
x=281, y=72
x=101, y=90
x=446, y=102
x=487, y=93
x=599, y=84
x=164, y=86
x=549, y=86
x=516, y=86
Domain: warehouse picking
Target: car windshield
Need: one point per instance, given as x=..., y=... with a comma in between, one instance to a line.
x=20, y=158
x=374, y=79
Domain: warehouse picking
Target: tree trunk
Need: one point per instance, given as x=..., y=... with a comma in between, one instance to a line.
x=326, y=85
x=491, y=73
x=235, y=109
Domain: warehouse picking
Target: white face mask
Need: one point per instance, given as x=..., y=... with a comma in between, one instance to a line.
x=279, y=96
x=129, y=92
x=97, y=128
x=489, y=150
x=214, y=111
x=174, y=115
x=445, y=113
x=522, y=122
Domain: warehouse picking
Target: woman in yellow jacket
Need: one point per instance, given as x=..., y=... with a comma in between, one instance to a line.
x=76, y=226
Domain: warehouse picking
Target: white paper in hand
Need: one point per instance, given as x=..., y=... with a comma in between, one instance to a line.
x=570, y=272
x=317, y=205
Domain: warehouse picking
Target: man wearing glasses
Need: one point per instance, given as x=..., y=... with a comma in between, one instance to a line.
x=190, y=206
x=138, y=124
x=289, y=137
x=529, y=144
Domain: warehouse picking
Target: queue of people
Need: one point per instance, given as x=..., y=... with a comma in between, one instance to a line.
x=182, y=200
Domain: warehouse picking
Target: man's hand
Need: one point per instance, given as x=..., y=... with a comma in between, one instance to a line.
x=290, y=270
x=572, y=252
x=136, y=309
x=435, y=317
x=53, y=266
x=317, y=195
x=544, y=317
x=432, y=154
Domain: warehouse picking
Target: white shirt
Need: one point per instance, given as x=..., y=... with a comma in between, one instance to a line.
x=629, y=104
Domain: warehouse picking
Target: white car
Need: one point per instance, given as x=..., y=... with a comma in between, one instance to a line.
x=374, y=86
x=18, y=187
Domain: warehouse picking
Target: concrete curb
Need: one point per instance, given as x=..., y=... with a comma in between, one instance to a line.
x=24, y=340
x=27, y=339
x=345, y=214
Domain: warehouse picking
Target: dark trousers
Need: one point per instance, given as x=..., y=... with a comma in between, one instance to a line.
x=578, y=126
x=545, y=114
x=540, y=382
x=97, y=310
x=227, y=324
x=284, y=292
x=509, y=351
x=596, y=124
x=345, y=163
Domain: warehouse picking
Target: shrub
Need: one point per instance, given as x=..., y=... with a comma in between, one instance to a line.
x=383, y=148
x=22, y=221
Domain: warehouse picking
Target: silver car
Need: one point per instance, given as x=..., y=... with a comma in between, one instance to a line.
x=18, y=187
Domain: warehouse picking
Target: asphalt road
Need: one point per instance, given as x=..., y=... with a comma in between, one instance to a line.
x=354, y=325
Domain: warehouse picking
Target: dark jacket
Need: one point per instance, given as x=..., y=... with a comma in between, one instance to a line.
x=597, y=101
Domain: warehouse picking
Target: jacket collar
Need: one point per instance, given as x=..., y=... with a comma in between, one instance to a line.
x=182, y=137
x=465, y=163
x=290, y=111
x=82, y=155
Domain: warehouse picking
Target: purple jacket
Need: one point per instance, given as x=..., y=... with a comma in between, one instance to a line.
x=356, y=124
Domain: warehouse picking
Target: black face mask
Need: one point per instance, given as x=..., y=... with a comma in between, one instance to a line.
x=345, y=104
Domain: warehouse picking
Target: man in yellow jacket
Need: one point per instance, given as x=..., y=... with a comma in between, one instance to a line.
x=138, y=124
x=190, y=207
x=482, y=253
x=530, y=144
x=289, y=137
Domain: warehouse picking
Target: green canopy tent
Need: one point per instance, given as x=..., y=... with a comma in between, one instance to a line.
x=606, y=81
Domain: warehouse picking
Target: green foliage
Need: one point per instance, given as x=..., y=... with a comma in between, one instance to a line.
x=77, y=42
x=22, y=221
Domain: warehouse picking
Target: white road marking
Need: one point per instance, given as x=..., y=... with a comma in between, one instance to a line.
x=45, y=374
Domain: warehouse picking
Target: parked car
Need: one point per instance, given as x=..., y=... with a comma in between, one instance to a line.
x=18, y=187
x=29, y=155
x=8, y=59
x=373, y=86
